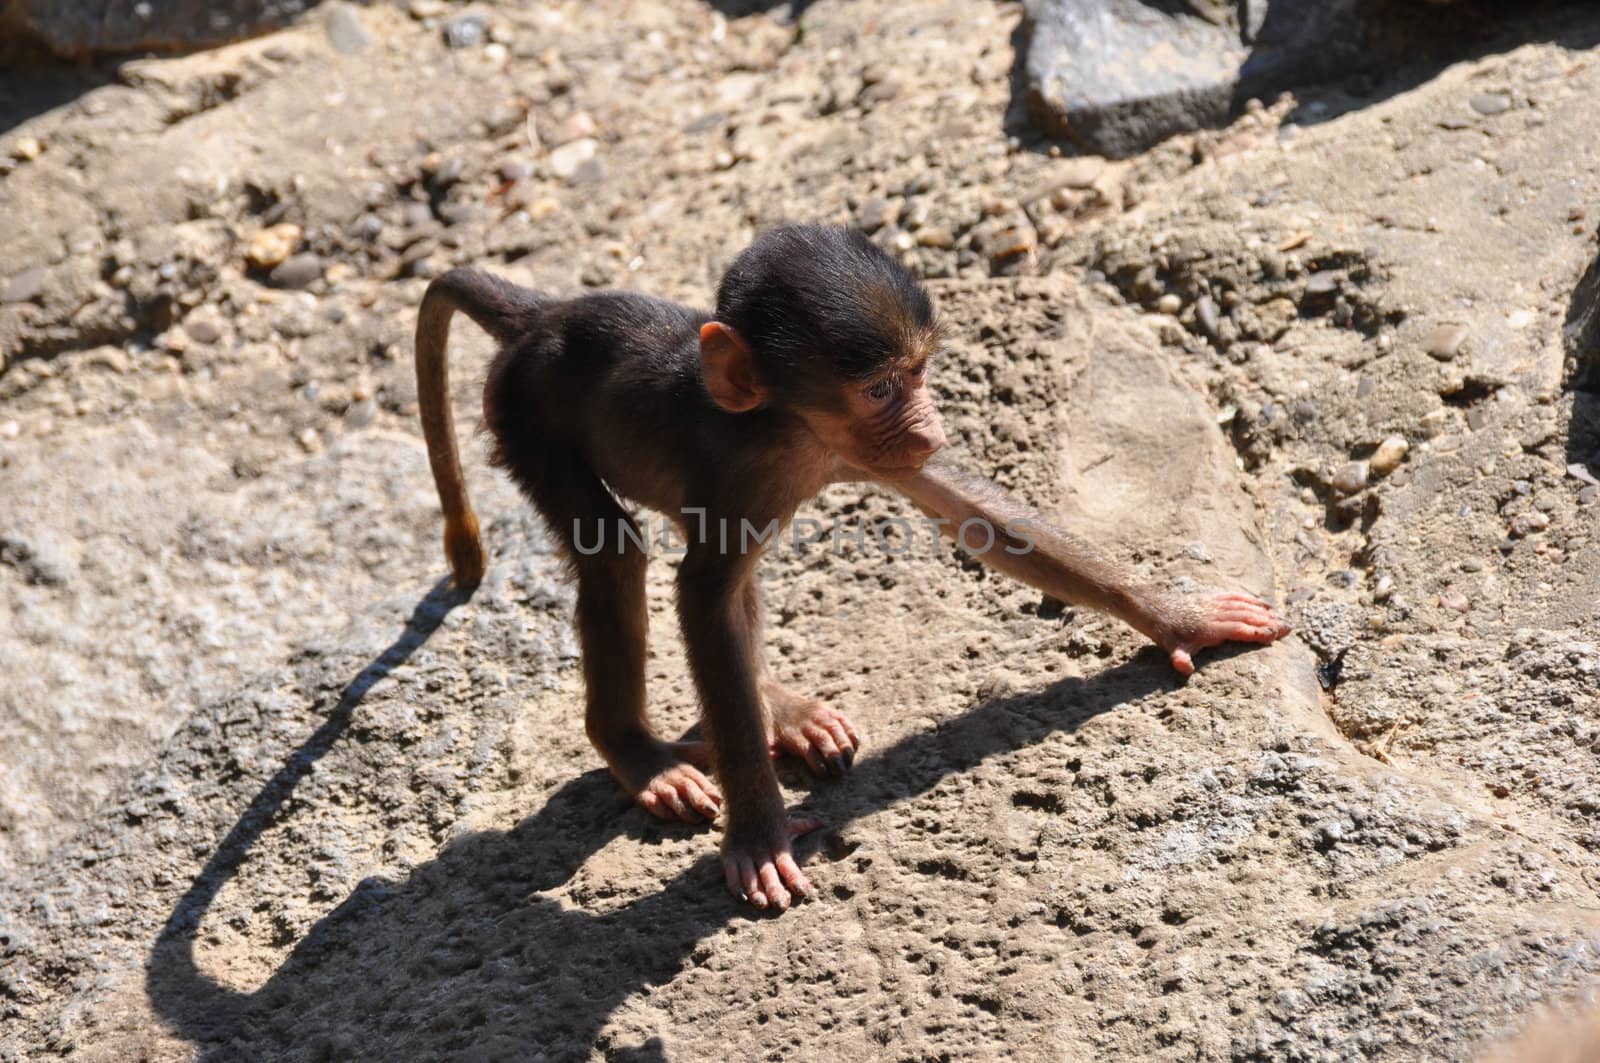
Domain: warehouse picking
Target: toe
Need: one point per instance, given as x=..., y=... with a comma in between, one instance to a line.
x=751, y=884
x=772, y=887
x=792, y=876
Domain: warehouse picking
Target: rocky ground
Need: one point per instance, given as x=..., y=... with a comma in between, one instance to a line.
x=272, y=791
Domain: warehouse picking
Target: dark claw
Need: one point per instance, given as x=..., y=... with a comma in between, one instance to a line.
x=849, y=758
x=836, y=765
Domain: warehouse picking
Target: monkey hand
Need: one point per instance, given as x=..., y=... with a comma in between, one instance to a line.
x=758, y=860
x=1187, y=625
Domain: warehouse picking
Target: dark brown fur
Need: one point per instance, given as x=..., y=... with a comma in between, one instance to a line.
x=810, y=372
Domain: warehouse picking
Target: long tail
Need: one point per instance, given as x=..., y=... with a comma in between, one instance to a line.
x=503, y=310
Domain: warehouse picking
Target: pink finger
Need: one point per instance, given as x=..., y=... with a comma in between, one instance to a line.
x=841, y=736
x=700, y=800
x=1182, y=661
x=675, y=798
x=803, y=825
x=730, y=876
x=1240, y=632
x=819, y=737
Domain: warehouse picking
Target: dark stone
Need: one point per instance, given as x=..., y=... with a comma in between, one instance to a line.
x=1116, y=76
x=299, y=271
x=81, y=29
x=367, y=227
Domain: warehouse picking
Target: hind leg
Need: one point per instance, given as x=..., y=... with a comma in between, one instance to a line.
x=603, y=545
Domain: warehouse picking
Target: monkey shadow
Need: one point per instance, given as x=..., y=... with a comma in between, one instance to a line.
x=491, y=949
x=1581, y=337
x=1419, y=41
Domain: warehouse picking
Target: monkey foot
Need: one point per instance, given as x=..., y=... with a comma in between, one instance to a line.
x=1231, y=617
x=825, y=738
x=663, y=777
x=758, y=866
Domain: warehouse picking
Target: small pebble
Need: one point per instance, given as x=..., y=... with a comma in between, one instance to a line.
x=367, y=227
x=1322, y=284
x=446, y=173
x=456, y=213
x=27, y=149
x=936, y=236
x=272, y=246
x=1587, y=496
x=1526, y=524
x=1579, y=471
x=361, y=413
x=565, y=160
x=346, y=32
x=1454, y=599
x=516, y=170
x=575, y=126
x=466, y=31
x=1170, y=303
x=1445, y=341
x=1351, y=477
x=877, y=212
x=298, y=272
x=1390, y=453
x=1434, y=422
x=202, y=329
x=1490, y=103
x=1205, y=314
x=1384, y=589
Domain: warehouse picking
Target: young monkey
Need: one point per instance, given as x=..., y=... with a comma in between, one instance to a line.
x=812, y=371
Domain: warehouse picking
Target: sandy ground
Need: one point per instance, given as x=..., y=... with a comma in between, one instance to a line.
x=271, y=791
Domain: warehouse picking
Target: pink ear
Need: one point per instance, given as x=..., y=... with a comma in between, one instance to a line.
x=728, y=370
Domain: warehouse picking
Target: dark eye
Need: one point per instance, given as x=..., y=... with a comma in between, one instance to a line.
x=883, y=390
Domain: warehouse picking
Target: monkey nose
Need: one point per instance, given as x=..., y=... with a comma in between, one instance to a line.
x=926, y=442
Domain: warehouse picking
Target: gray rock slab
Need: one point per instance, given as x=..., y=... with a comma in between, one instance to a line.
x=85, y=28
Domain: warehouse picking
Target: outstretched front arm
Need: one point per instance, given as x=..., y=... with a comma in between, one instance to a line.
x=1008, y=536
